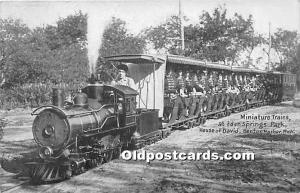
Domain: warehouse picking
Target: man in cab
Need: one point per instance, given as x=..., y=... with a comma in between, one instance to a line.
x=123, y=78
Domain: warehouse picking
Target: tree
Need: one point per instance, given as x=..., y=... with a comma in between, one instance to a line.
x=69, y=30
x=219, y=38
x=67, y=41
x=53, y=53
x=286, y=44
x=70, y=65
x=12, y=37
x=296, y=68
x=13, y=41
x=216, y=37
x=253, y=42
x=117, y=40
x=165, y=36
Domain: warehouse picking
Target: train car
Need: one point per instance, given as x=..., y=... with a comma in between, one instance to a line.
x=171, y=92
x=289, y=87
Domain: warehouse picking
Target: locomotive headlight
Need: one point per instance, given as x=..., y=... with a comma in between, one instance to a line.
x=45, y=152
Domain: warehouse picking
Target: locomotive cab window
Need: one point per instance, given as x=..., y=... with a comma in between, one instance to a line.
x=130, y=103
x=128, y=106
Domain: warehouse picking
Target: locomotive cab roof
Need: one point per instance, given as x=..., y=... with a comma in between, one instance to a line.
x=139, y=58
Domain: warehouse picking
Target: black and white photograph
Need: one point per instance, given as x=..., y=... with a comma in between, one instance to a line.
x=162, y=96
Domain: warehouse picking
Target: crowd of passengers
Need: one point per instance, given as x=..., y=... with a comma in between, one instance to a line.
x=197, y=83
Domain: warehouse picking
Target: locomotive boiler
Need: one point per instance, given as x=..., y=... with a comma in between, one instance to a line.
x=171, y=92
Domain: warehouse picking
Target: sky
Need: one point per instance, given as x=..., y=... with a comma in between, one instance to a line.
x=140, y=14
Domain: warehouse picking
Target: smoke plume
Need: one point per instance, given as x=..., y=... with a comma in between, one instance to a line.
x=96, y=27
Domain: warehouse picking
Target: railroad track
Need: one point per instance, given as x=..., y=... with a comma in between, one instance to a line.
x=15, y=187
x=18, y=188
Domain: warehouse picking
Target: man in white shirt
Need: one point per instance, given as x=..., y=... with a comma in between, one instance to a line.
x=122, y=78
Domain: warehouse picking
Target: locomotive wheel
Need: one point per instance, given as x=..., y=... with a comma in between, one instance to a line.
x=108, y=155
x=68, y=173
x=228, y=113
x=219, y=115
x=168, y=114
x=222, y=114
x=198, y=121
x=107, y=142
x=167, y=132
x=117, y=152
x=99, y=160
x=191, y=124
x=117, y=146
x=204, y=120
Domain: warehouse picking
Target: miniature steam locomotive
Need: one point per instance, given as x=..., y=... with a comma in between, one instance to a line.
x=171, y=92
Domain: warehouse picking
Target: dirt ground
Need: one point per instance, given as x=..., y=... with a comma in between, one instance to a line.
x=276, y=167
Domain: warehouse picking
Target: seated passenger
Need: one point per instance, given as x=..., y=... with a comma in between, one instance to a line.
x=253, y=87
x=122, y=78
x=188, y=82
x=220, y=81
x=210, y=82
x=246, y=88
x=225, y=83
x=216, y=89
x=181, y=89
x=170, y=82
x=198, y=88
x=241, y=82
x=233, y=89
x=203, y=79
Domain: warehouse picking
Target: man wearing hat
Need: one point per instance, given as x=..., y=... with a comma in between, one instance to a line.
x=122, y=78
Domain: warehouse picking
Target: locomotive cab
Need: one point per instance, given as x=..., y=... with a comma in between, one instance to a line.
x=123, y=99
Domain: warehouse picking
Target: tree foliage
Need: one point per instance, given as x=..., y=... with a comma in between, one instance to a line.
x=219, y=38
x=165, y=36
x=215, y=37
x=69, y=30
x=54, y=53
x=117, y=40
x=286, y=43
x=13, y=36
x=16, y=51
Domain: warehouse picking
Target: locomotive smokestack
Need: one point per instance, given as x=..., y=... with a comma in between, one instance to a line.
x=92, y=79
x=58, y=97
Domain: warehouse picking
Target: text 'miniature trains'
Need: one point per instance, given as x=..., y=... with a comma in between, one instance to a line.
x=170, y=92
